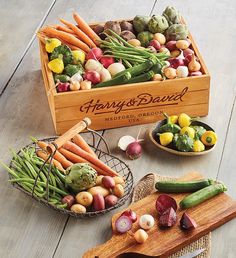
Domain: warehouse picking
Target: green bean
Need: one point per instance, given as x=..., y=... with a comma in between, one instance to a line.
x=10, y=171
x=62, y=206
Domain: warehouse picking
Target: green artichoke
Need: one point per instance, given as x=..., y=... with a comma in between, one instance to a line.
x=145, y=37
x=140, y=23
x=172, y=15
x=157, y=24
x=80, y=177
x=176, y=32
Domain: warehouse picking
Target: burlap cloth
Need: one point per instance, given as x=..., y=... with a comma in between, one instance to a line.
x=145, y=187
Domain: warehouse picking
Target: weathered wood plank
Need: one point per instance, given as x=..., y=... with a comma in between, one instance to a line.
x=19, y=21
x=82, y=235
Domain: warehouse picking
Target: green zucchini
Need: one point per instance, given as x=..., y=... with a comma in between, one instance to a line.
x=142, y=78
x=122, y=79
x=138, y=69
x=181, y=186
x=202, y=195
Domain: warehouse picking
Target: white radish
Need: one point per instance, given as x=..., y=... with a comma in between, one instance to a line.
x=105, y=75
x=93, y=65
x=124, y=141
x=115, y=68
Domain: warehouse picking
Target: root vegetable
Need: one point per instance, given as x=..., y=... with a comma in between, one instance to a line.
x=176, y=62
x=108, y=182
x=186, y=222
x=198, y=73
x=134, y=150
x=140, y=236
x=78, y=208
x=124, y=25
x=182, y=44
x=93, y=65
x=99, y=180
x=92, y=76
x=175, y=53
x=146, y=221
x=155, y=43
x=74, y=86
x=160, y=38
x=115, y=68
x=188, y=51
x=134, y=42
x=85, y=85
x=111, y=200
x=164, y=50
x=194, y=65
x=105, y=75
x=168, y=218
x=124, y=141
x=182, y=71
x=98, y=202
x=165, y=202
x=69, y=200
x=157, y=77
x=131, y=214
x=170, y=73
x=98, y=29
x=99, y=190
x=94, y=53
x=84, y=198
x=118, y=190
x=187, y=59
x=107, y=61
x=171, y=45
x=127, y=35
x=63, y=86
x=123, y=224
x=112, y=25
x=119, y=180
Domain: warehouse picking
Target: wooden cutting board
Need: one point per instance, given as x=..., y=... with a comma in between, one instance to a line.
x=161, y=243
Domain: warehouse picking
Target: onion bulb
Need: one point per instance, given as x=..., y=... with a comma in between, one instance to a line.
x=146, y=221
x=134, y=150
x=140, y=236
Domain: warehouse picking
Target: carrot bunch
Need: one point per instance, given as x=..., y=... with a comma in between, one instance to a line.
x=79, y=36
x=75, y=151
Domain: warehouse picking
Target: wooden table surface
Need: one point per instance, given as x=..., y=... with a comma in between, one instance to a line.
x=28, y=229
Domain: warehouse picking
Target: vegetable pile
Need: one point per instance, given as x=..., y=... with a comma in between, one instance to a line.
x=143, y=49
x=179, y=133
x=78, y=180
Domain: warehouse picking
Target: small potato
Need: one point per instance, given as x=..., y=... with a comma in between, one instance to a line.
x=119, y=180
x=160, y=38
x=98, y=202
x=182, y=44
x=99, y=190
x=157, y=77
x=171, y=45
x=175, y=53
x=164, y=50
x=170, y=73
x=134, y=42
x=118, y=190
x=111, y=200
x=99, y=180
x=69, y=200
x=78, y=208
x=108, y=182
x=84, y=198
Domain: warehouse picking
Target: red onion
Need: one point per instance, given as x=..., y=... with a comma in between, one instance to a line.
x=187, y=52
x=171, y=45
x=198, y=73
x=176, y=62
x=63, y=86
x=187, y=59
x=94, y=53
x=168, y=218
x=134, y=150
x=154, y=43
x=123, y=224
x=92, y=76
x=164, y=202
x=187, y=222
x=131, y=214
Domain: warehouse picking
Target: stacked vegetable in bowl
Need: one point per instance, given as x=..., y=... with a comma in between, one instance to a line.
x=143, y=49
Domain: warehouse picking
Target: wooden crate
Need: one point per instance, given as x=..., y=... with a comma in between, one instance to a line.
x=128, y=104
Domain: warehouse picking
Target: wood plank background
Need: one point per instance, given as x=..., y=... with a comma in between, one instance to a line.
x=28, y=229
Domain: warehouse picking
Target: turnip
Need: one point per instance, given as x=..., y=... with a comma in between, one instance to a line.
x=63, y=86
x=93, y=65
x=116, y=68
x=124, y=141
x=134, y=150
x=92, y=76
x=105, y=75
x=94, y=53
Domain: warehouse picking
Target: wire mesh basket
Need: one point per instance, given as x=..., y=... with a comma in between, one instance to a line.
x=113, y=162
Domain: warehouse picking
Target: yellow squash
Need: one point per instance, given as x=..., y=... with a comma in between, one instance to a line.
x=184, y=120
x=56, y=65
x=189, y=131
x=198, y=146
x=51, y=44
x=209, y=138
x=166, y=138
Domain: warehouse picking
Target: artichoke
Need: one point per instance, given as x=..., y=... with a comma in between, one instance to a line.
x=145, y=37
x=80, y=177
x=140, y=23
x=63, y=50
x=176, y=32
x=157, y=24
x=172, y=15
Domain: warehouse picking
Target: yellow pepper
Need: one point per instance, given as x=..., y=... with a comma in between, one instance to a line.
x=189, y=131
x=173, y=119
x=51, y=44
x=198, y=146
x=56, y=65
x=79, y=56
x=209, y=138
x=184, y=120
x=166, y=138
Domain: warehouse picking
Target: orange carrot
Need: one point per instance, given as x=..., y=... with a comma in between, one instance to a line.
x=43, y=155
x=77, y=159
x=89, y=157
x=53, y=33
x=65, y=29
x=79, y=140
x=42, y=145
x=83, y=25
x=81, y=35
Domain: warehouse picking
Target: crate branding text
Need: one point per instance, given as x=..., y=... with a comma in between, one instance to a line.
x=140, y=101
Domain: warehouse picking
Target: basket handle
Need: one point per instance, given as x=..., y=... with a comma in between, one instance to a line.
x=69, y=135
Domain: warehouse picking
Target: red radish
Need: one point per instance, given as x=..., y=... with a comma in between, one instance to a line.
x=168, y=218
x=134, y=150
x=131, y=214
x=63, y=86
x=154, y=43
x=123, y=224
x=92, y=76
x=187, y=52
x=176, y=62
x=152, y=49
x=164, y=202
x=198, y=73
x=94, y=53
x=171, y=45
x=186, y=222
x=107, y=61
x=124, y=141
